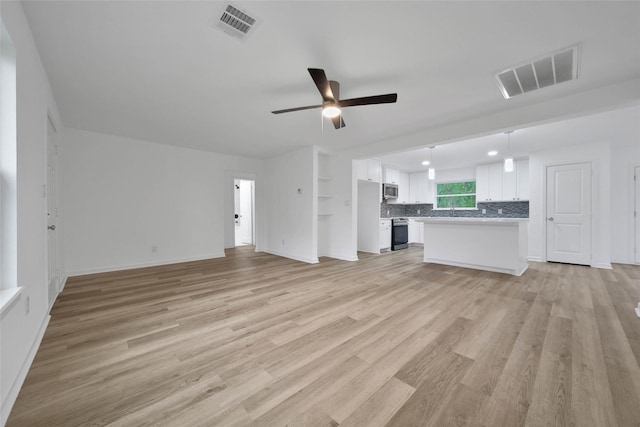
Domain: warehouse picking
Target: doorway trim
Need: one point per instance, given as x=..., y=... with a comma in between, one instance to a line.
x=634, y=213
x=229, y=208
x=590, y=206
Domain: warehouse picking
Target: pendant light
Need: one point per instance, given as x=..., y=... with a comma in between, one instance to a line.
x=508, y=160
x=432, y=171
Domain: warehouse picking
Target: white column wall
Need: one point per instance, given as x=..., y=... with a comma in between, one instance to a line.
x=21, y=331
x=289, y=205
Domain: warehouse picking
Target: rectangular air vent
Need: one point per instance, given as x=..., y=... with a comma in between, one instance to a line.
x=235, y=22
x=541, y=72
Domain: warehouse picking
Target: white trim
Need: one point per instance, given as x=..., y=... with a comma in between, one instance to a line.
x=8, y=296
x=62, y=283
x=604, y=265
x=144, y=264
x=342, y=258
x=297, y=258
x=12, y=394
x=513, y=271
x=535, y=259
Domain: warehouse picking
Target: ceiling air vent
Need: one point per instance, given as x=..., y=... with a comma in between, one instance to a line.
x=541, y=72
x=235, y=22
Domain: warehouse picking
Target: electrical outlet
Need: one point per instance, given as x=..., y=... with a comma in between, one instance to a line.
x=484, y=211
x=154, y=249
x=387, y=212
x=282, y=242
x=499, y=211
x=27, y=305
x=418, y=210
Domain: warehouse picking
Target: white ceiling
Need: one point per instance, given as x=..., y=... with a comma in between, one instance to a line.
x=160, y=71
x=618, y=127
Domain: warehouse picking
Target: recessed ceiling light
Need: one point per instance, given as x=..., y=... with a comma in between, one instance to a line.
x=492, y=153
x=425, y=163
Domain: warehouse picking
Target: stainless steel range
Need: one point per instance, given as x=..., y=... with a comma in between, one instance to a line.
x=399, y=233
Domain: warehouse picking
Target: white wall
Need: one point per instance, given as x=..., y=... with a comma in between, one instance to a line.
x=623, y=160
x=290, y=214
x=20, y=333
x=122, y=197
x=598, y=154
x=341, y=240
x=459, y=174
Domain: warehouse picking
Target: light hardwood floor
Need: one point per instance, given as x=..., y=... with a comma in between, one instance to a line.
x=254, y=339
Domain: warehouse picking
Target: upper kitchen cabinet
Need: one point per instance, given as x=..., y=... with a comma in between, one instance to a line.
x=515, y=185
x=368, y=170
x=495, y=185
x=391, y=176
x=403, y=188
x=420, y=188
x=489, y=182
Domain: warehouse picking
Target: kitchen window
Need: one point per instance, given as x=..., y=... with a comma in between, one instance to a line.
x=456, y=195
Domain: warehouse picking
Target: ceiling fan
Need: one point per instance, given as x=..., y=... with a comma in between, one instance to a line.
x=332, y=105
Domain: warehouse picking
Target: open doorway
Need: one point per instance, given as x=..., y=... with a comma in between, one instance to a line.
x=244, y=213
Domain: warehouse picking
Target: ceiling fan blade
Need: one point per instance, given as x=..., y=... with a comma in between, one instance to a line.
x=388, y=98
x=288, y=110
x=320, y=79
x=338, y=122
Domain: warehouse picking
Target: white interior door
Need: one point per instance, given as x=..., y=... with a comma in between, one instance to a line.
x=636, y=213
x=52, y=215
x=569, y=213
x=246, y=212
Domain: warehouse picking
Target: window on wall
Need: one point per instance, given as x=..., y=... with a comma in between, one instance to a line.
x=8, y=169
x=457, y=195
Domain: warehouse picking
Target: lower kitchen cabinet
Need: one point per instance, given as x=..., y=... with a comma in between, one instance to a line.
x=385, y=234
x=416, y=231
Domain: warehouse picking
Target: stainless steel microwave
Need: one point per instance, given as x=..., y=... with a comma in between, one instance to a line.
x=390, y=191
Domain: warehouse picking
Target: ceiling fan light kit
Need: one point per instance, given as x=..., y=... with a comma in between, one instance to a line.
x=332, y=105
x=331, y=111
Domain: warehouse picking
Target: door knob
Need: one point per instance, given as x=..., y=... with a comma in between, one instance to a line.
x=550, y=218
x=51, y=227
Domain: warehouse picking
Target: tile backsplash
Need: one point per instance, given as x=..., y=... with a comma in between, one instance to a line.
x=518, y=209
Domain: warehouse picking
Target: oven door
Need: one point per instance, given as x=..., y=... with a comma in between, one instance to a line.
x=399, y=236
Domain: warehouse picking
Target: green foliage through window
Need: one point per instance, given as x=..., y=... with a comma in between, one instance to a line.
x=456, y=195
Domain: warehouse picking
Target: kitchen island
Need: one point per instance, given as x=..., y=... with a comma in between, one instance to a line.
x=493, y=244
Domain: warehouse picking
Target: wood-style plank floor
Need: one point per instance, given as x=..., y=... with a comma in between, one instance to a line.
x=255, y=339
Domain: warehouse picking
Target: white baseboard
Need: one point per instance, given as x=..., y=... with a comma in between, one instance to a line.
x=604, y=265
x=143, y=264
x=294, y=257
x=12, y=395
x=62, y=285
x=349, y=258
x=535, y=259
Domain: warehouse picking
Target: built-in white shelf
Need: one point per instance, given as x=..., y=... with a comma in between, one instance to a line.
x=324, y=178
x=325, y=196
x=324, y=213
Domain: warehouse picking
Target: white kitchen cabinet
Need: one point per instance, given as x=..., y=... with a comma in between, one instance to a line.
x=403, y=190
x=391, y=176
x=493, y=184
x=385, y=234
x=420, y=188
x=368, y=170
x=522, y=179
x=416, y=231
x=489, y=182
